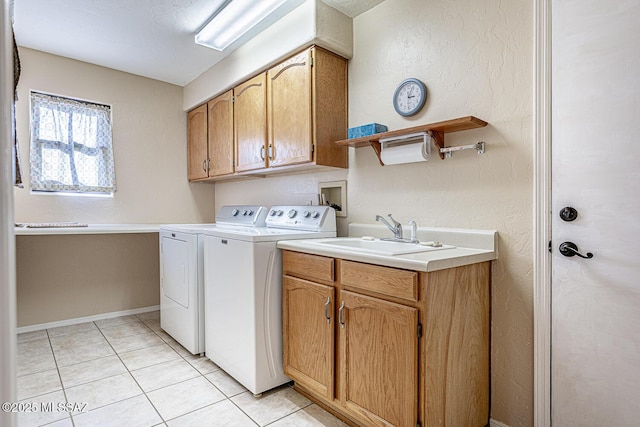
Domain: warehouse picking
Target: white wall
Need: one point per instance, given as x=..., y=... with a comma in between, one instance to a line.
x=149, y=137
x=476, y=59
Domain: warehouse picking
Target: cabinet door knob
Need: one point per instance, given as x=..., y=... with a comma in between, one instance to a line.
x=341, y=315
x=262, y=152
x=327, y=315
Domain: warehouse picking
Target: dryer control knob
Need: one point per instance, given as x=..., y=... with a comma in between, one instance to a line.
x=306, y=214
x=292, y=213
x=280, y=213
x=235, y=212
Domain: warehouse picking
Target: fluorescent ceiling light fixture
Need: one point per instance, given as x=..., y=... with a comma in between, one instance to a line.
x=235, y=19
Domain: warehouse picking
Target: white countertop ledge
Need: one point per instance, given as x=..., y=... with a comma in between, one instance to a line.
x=89, y=229
x=471, y=246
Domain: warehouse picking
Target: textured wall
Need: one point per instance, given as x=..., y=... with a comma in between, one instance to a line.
x=476, y=59
x=149, y=137
x=64, y=277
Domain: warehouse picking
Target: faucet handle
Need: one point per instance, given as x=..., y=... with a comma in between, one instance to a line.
x=396, y=223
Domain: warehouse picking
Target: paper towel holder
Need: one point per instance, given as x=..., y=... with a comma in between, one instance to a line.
x=422, y=138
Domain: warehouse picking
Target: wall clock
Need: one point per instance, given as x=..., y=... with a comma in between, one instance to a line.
x=409, y=97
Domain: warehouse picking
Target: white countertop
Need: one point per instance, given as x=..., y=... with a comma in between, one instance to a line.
x=471, y=246
x=89, y=229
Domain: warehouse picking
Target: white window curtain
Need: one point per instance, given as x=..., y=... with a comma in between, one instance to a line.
x=71, y=146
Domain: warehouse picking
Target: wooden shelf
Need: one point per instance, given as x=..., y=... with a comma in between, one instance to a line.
x=437, y=131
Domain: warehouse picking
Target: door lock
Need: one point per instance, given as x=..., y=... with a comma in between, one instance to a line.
x=568, y=214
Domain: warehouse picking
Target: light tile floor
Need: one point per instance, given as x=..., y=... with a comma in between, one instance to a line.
x=130, y=373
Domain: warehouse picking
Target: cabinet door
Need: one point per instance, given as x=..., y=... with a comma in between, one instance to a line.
x=197, y=143
x=308, y=334
x=289, y=111
x=378, y=360
x=221, y=134
x=250, y=123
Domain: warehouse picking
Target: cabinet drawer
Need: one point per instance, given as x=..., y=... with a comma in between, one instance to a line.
x=308, y=266
x=383, y=280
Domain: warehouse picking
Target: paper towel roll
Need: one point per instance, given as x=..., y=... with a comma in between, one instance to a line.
x=405, y=153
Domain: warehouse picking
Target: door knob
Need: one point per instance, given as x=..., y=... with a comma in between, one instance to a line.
x=570, y=249
x=568, y=214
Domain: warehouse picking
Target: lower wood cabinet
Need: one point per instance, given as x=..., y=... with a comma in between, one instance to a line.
x=378, y=360
x=380, y=346
x=308, y=322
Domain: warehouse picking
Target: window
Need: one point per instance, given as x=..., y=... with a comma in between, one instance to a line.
x=71, y=149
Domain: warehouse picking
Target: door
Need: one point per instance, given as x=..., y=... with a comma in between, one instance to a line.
x=308, y=325
x=378, y=360
x=289, y=111
x=220, y=127
x=197, y=143
x=250, y=123
x=595, y=309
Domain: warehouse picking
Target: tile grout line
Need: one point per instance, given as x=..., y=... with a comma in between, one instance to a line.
x=64, y=392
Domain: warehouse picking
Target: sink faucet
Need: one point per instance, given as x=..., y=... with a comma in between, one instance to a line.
x=396, y=228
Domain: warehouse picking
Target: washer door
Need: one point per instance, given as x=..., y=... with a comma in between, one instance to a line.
x=175, y=270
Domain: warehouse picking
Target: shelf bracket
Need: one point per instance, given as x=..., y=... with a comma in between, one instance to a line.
x=438, y=140
x=377, y=148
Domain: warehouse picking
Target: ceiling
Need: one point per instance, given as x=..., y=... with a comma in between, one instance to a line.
x=151, y=38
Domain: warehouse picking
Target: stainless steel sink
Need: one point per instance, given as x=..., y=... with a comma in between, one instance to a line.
x=377, y=246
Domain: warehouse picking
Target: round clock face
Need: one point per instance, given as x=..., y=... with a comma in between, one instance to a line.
x=409, y=97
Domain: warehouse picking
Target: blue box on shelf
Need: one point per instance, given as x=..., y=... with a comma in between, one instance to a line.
x=366, y=130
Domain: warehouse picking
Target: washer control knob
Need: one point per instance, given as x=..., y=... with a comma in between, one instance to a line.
x=280, y=213
x=235, y=212
x=244, y=212
x=250, y=212
x=306, y=214
x=315, y=214
x=273, y=213
x=292, y=213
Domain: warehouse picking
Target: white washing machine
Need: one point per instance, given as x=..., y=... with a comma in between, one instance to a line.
x=243, y=293
x=182, y=273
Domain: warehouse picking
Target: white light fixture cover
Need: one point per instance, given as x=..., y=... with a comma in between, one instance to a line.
x=235, y=19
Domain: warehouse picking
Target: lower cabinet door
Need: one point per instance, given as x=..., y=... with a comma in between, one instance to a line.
x=308, y=334
x=378, y=360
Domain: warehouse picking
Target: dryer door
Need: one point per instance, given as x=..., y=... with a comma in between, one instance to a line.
x=175, y=268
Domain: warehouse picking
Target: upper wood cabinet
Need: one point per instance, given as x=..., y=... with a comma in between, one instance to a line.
x=210, y=139
x=250, y=123
x=285, y=118
x=307, y=110
x=197, y=148
x=220, y=128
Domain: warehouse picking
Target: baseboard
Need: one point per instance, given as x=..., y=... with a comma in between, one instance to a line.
x=494, y=423
x=69, y=322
